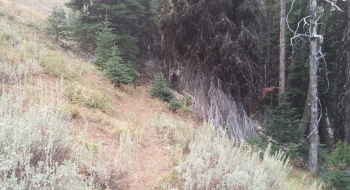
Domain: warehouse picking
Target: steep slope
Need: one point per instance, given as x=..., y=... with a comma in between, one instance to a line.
x=41, y=6
x=102, y=116
x=120, y=138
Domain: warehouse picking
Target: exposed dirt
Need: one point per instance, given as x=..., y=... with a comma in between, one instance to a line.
x=153, y=158
x=136, y=107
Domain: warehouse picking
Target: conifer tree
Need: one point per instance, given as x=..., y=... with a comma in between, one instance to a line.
x=283, y=123
x=128, y=20
x=160, y=88
x=55, y=24
x=116, y=70
x=104, y=42
x=82, y=33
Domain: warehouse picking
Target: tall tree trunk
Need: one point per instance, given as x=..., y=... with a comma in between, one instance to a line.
x=326, y=124
x=342, y=131
x=282, y=52
x=306, y=114
x=313, y=89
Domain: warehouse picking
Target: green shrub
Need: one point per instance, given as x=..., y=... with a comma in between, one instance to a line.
x=175, y=104
x=335, y=179
x=160, y=88
x=172, y=130
x=185, y=109
x=188, y=100
x=341, y=155
x=91, y=98
x=54, y=64
x=9, y=37
x=282, y=126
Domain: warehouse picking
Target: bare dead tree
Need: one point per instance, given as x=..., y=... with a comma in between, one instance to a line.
x=313, y=101
x=216, y=45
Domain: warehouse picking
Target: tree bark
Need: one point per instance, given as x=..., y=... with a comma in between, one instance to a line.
x=306, y=114
x=313, y=89
x=342, y=128
x=282, y=50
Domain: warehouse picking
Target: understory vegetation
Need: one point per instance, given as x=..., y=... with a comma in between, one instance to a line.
x=64, y=80
x=211, y=160
x=41, y=91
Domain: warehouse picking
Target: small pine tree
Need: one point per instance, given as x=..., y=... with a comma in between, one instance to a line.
x=160, y=88
x=55, y=24
x=341, y=155
x=117, y=71
x=283, y=124
x=105, y=41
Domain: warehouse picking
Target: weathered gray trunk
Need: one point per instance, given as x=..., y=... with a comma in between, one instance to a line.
x=305, y=121
x=282, y=50
x=313, y=89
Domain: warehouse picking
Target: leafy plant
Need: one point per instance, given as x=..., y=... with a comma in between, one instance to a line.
x=160, y=88
x=283, y=124
x=175, y=104
x=335, y=179
x=88, y=97
x=341, y=155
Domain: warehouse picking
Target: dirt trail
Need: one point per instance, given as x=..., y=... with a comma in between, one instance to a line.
x=137, y=108
x=153, y=157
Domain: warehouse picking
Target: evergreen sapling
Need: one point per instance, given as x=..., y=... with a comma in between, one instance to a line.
x=55, y=24
x=105, y=41
x=160, y=88
x=116, y=70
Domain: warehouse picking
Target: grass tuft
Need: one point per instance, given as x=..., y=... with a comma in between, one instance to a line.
x=82, y=95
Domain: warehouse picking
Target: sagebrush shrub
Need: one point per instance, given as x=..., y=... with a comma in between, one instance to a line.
x=35, y=150
x=216, y=162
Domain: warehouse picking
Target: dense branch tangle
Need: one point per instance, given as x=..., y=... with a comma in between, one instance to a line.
x=216, y=42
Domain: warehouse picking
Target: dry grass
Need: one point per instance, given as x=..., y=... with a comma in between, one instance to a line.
x=19, y=13
x=34, y=71
x=303, y=180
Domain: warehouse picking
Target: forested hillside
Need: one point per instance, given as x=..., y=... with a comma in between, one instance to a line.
x=196, y=85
